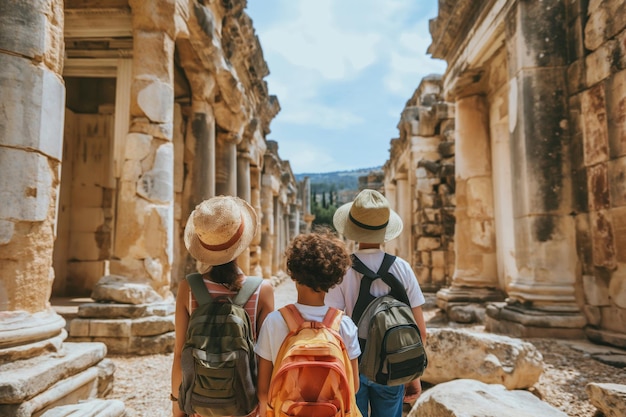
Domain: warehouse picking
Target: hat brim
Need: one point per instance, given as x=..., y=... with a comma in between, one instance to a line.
x=341, y=221
x=208, y=257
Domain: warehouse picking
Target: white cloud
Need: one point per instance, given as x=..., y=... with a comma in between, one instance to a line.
x=315, y=39
x=306, y=156
x=325, y=117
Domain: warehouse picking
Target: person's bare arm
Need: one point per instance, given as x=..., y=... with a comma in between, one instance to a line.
x=181, y=321
x=266, y=303
x=355, y=373
x=263, y=383
x=413, y=389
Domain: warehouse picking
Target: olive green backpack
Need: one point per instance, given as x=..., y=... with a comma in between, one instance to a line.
x=391, y=344
x=219, y=369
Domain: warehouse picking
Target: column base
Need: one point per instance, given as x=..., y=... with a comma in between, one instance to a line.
x=516, y=320
x=605, y=337
x=467, y=304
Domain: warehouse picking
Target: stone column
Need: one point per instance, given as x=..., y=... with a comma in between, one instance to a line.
x=145, y=212
x=244, y=192
x=255, y=201
x=201, y=133
x=226, y=166
x=390, y=193
x=475, y=277
x=267, y=226
x=541, y=299
x=403, y=208
x=32, y=94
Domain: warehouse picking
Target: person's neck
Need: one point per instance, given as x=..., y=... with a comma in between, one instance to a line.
x=308, y=296
x=369, y=245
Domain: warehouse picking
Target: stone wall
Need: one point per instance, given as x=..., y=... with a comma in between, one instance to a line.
x=419, y=182
x=538, y=92
x=166, y=106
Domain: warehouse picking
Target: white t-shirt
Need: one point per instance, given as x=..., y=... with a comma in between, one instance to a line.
x=274, y=330
x=344, y=295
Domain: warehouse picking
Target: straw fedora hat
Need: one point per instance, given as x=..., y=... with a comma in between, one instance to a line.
x=368, y=219
x=220, y=229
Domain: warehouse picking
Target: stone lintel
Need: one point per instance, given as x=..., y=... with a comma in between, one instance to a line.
x=519, y=321
x=606, y=337
x=30, y=379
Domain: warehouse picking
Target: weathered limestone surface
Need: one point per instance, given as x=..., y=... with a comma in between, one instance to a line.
x=468, y=398
x=419, y=183
x=610, y=399
x=489, y=358
x=550, y=77
x=91, y=408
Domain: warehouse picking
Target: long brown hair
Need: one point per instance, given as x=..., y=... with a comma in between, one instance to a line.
x=227, y=274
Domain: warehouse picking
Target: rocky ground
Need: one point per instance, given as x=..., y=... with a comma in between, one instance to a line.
x=143, y=382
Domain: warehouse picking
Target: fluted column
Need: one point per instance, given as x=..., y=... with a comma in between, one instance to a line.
x=201, y=132
x=226, y=166
x=403, y=208
x=244, y=192
x=267, y=226
x=390, y=193
x=475, y=277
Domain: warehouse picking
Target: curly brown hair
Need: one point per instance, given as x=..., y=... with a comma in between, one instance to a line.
x=318, y=260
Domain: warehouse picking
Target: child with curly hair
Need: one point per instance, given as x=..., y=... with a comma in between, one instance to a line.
x=316, y=262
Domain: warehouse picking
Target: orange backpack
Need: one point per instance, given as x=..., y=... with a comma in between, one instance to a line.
x=312, y=375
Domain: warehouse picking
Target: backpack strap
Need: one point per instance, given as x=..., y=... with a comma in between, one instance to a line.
x=365, y=297
x=203, y=296
x=199, y=290
x=249, y=287
x=332, y=319
x=292, y=317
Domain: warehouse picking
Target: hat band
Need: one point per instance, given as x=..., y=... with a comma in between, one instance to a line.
x=367, y=226
x=225, y=245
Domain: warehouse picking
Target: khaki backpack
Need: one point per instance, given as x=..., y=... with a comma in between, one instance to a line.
x=219, y=368
x=391, y=344
x=312, y=375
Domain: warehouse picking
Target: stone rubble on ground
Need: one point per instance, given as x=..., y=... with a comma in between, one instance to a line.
x=490, y=358
x=470, y=398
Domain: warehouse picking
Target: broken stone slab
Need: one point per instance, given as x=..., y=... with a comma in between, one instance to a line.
x=89, y=408
x=470, y=398
x=489, y=358
x=22, y=327
x=610, y=399
x=145, y=345
x=609, y=355
x=25, y=379
x=144, y=326
x=131, y=311
x=119, y=289
x=69, y=389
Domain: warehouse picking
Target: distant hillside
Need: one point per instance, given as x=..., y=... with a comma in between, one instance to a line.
x=338, y=180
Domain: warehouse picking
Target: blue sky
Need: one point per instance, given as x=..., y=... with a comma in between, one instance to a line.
x=342, y=71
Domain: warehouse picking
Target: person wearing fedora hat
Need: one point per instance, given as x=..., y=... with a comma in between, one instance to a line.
x=370, y=222
x=217, y=231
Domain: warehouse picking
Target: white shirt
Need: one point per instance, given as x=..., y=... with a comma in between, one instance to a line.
x=274, y=330
x=344, y=295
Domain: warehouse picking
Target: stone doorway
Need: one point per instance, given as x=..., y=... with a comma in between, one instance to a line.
x=86, y=208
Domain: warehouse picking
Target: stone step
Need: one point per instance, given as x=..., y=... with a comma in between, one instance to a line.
x=25, y=379
x=89, y=408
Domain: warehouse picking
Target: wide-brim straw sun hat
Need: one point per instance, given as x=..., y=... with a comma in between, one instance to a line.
x=220, y=229
x=368, y=219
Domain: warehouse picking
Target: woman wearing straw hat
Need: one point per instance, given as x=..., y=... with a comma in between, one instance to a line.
x=370, y=222
x=217, y=232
